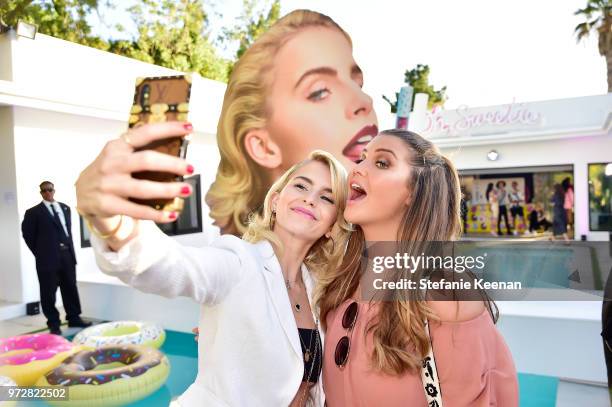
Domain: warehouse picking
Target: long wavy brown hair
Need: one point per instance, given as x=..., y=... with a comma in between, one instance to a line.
x=433, y=215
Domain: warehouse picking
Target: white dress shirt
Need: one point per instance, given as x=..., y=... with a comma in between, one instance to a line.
x=249, y=351
x=59, y=211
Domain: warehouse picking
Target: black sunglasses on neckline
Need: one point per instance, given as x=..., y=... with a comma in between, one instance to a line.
x=343, y=346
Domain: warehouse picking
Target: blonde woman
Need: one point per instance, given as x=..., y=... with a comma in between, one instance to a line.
x=374, y=351
x=261, y=344
x=296, y=89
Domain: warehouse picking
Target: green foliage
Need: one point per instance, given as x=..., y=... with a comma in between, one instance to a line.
x=393, y=104
x=597, y=13
x=418, y=78
x=173, y=34
x=598, y=16
x=170, y=33
x=65, y=19
x=251, y=25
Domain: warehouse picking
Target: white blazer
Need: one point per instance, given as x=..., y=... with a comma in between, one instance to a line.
x=249, y=351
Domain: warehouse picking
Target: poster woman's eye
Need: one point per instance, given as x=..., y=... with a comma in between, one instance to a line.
x=319, y=94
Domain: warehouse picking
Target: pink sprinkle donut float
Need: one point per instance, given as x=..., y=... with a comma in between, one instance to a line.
x=26, y=358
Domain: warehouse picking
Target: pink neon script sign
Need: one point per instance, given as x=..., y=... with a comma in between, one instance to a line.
x=509, y=115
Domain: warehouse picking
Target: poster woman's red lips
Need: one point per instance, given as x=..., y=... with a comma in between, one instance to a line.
x=354, y=147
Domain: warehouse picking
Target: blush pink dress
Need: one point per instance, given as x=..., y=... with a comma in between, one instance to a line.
x=474, y=364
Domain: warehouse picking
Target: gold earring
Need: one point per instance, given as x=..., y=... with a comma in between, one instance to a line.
x=272, y=219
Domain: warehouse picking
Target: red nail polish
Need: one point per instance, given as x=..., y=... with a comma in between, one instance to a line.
x=190, y=169
x=172, y=215
x=185, y=190
x=188, y=126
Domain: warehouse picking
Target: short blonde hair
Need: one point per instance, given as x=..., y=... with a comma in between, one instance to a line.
x=324, y=251
x=241, y=184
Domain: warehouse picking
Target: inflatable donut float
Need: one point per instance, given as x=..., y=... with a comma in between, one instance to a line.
x=27, y=357
x=109, y=376
x=121, y=333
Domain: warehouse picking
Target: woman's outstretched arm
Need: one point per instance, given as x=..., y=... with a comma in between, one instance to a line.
x=155, y=263
x=126, y=241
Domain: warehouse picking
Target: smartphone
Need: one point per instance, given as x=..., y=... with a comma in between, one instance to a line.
x=157, y=100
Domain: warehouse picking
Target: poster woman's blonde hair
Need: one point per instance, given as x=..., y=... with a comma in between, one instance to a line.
x=241, y=184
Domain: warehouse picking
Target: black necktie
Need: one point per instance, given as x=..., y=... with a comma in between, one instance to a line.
x=57, y=218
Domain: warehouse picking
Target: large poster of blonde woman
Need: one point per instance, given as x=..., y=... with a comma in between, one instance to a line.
x=296, y=89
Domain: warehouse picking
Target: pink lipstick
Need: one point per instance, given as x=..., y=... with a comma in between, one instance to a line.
x=305, y=212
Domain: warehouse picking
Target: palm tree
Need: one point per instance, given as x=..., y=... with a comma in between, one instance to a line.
x=598, y=15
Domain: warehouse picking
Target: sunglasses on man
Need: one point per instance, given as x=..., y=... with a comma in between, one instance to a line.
x=47, y=190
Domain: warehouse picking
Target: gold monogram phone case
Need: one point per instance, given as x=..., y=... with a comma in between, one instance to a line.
x=157, y=100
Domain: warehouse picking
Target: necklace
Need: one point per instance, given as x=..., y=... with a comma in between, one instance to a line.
x=307, y=349
x=297, y=305
x=306, y=390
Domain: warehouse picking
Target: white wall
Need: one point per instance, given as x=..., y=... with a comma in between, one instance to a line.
x=59, y=104
x=555, y=343
x=56, y=146
x=11, y=280
x=114, y=301
x=52, y=70
x=516, y=119
x=578, y=151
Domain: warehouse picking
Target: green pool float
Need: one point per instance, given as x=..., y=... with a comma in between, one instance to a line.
x=121, y=333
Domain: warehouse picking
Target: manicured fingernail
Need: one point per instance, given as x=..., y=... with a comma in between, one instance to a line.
x=172, y=215
x=185, y=190
x=190, y=169
x=188, y=126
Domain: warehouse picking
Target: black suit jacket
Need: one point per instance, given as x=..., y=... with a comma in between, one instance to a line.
x=43, y=234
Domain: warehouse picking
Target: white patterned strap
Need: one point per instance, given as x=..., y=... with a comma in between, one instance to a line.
x=429, y=375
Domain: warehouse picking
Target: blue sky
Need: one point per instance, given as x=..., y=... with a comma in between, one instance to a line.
x=485, y=51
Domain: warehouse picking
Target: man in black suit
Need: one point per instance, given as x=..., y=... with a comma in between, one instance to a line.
x=47, y=231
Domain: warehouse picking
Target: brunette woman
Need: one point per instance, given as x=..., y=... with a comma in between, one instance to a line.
x=375, y=351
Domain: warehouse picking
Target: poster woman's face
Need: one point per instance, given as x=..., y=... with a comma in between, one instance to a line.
x=316, y=100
